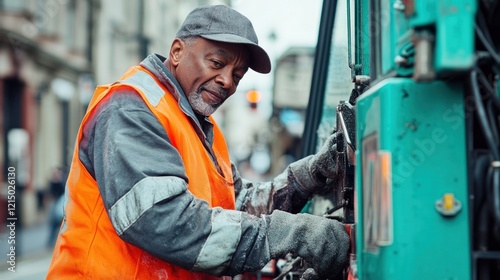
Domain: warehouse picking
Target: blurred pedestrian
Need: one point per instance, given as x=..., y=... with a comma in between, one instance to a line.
x=56, y=189
x=152, y=193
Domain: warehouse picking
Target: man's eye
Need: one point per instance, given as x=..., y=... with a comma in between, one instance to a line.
x=238, y=77
x=216, y=63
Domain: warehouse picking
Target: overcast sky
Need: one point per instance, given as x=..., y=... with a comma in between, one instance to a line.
x=294, y=23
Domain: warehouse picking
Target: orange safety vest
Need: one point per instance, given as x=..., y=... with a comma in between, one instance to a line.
x=88, y=246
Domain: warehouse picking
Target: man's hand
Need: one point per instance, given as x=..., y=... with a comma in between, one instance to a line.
x=309, y=274
x=323, y=164
x=312, y=172
x=321, y=242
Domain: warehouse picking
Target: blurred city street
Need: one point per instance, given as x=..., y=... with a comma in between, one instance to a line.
x=32, y=254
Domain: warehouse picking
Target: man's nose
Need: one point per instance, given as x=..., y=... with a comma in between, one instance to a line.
x=225, y=78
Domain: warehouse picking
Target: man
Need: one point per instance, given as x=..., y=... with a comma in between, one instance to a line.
x=152, y=193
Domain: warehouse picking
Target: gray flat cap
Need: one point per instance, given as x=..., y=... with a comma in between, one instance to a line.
x=223, y=24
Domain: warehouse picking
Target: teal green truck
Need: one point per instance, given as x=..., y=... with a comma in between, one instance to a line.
x=419, y=152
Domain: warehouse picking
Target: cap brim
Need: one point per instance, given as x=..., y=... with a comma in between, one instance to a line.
x=259, y=60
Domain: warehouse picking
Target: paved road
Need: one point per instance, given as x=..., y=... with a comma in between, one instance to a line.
x=32, y=256
x=33, y=267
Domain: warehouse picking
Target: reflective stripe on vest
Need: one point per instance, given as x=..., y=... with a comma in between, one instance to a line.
x=148, y=86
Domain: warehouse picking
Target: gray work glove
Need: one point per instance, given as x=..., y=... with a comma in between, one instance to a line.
x=310, y=274
x=312, y=172
x=321, y=242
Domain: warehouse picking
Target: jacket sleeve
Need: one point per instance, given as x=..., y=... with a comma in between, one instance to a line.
x=143, y=184
x=281, y=193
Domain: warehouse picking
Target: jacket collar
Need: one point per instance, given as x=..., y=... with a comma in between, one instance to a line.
x=154, y=64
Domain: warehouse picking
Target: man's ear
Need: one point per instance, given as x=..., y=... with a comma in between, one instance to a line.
x=176, y=51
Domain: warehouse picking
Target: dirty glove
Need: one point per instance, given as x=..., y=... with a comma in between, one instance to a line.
x=312, y=172
x=321, y=242
x=309, y=274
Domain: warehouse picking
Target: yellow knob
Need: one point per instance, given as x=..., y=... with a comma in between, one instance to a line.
x=448, y=201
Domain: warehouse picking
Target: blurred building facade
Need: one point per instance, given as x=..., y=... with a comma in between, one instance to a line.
x=52, y=54
x=292, y=82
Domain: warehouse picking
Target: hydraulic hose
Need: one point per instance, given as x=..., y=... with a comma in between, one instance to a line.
x=483, y=119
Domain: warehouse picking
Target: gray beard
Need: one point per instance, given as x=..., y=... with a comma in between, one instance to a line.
x=199, y=106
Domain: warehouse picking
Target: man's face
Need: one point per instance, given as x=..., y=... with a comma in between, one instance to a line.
x=208, y=71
